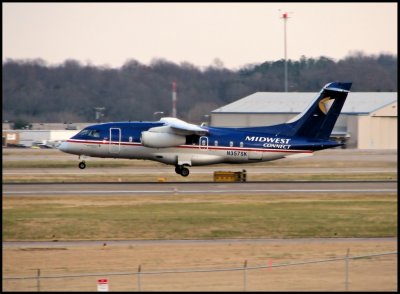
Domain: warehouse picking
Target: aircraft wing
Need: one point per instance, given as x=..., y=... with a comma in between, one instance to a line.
x=183, y=128
x=172, y=133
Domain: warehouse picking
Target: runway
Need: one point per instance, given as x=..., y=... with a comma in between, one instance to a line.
x=100, y=243
x=168, y=170
x=175, y=188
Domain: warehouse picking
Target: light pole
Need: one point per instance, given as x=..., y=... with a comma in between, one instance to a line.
x=285, y=18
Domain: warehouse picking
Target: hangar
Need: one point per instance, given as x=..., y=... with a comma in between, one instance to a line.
x=368, y=119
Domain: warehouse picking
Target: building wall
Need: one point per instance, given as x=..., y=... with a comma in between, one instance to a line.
x=10, y=137
x=352, y=130
x=248, y=119
x=376, y=132
x=384, y=132
x=379, y=129
x=62, y=135
x=27, y=137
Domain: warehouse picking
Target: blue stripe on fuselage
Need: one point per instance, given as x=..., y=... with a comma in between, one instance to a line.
x=230, y=138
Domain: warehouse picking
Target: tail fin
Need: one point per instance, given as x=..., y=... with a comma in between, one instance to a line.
x=318, y=120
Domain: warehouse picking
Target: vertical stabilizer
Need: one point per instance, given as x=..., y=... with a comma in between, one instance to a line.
x=318, y=120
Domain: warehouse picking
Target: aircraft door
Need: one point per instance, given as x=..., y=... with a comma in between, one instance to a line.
x=115, y=140
x=203, y=142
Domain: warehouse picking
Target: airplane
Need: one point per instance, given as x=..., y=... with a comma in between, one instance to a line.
x=182, y=144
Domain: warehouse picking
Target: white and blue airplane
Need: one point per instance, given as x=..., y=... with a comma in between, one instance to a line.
x=175, y=142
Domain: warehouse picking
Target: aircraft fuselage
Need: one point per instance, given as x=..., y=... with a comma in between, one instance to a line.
x=220, y=145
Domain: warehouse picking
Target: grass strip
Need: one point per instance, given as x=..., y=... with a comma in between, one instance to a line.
x=199, y=217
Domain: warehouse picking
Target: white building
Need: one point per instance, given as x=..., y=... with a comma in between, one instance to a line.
x=29, y=138
x=50, y=134
x=368, y=119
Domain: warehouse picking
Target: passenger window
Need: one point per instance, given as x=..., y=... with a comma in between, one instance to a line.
x=215, y=143
x=130, y=139
x=241, y=144
x=231, y=143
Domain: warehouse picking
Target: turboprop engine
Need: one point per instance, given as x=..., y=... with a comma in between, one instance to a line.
x=161, y=137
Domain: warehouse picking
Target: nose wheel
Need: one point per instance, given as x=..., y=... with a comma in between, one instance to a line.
x=82, y=165
x=182, y=170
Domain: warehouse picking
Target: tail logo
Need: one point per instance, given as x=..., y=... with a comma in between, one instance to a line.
x=325, y=104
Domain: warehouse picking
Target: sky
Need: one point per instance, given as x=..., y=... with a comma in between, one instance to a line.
x=236, y=34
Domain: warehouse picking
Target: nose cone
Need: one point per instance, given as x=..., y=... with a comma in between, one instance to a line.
x=63, y=147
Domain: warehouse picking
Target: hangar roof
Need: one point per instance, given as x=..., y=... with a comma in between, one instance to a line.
x=296, y=102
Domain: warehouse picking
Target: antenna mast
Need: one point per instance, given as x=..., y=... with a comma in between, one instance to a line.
x=285, y=18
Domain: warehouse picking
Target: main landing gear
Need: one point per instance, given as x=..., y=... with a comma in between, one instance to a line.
x=82, y=165
x=182, y=170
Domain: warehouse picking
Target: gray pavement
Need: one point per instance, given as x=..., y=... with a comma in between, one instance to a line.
x=114, y=189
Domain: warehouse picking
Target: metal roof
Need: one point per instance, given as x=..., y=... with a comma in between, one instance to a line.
x=296, y=102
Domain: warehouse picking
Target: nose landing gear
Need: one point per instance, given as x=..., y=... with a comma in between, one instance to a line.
x=182, y=170
x=82, y=164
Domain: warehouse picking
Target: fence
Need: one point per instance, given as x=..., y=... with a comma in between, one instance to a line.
x=355, y=273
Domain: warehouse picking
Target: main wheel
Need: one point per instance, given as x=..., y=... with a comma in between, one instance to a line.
x=82, y=165
x=184, y=171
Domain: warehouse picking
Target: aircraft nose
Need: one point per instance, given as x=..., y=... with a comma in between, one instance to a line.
x=63, y=147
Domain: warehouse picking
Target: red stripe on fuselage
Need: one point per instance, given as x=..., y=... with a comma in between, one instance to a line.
x=197, y=147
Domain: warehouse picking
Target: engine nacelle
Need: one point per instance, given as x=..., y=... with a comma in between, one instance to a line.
x=161, y=140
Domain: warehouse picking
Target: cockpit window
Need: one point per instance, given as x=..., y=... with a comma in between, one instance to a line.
x=83, y=133
x=90, y=133
x=94, y=134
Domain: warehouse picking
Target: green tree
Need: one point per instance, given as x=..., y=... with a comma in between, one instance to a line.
x=21, y=124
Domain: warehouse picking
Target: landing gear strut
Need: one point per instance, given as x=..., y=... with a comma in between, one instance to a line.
x=182, y=170
x=82, y=165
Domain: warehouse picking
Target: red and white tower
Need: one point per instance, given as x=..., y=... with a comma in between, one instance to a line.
x=173, y=99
